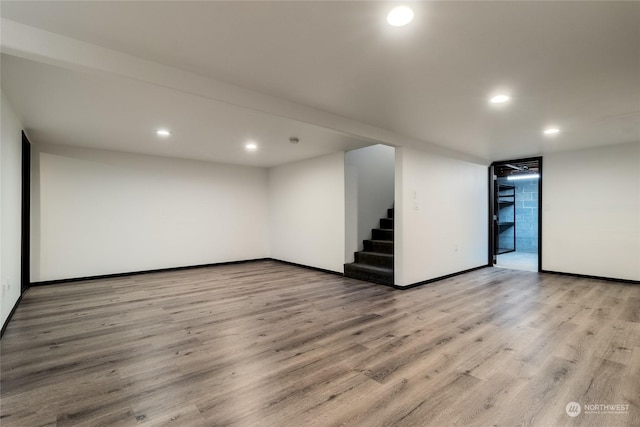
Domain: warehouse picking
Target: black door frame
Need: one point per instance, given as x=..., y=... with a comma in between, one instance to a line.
x=25, y=244
x=493, y=219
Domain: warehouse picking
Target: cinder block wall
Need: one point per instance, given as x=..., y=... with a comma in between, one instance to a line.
x=526, y=215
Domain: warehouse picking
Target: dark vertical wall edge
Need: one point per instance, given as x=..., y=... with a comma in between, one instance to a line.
x=540, y=216
x=491, y=243
x=25, y=239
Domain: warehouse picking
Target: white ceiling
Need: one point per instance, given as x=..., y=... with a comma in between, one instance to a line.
x=61, y=106
x=575, y=65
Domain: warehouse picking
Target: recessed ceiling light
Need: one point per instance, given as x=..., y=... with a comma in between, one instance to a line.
x=400, y=16
x=251, y=146
x=499, y=99
x=163, y=133
x=551, y=131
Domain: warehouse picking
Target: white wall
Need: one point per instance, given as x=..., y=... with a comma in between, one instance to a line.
x=10, y=212
x=369, y=192
x=441, y=216
x=591, y=212
x=306, y=212
x=100, y=212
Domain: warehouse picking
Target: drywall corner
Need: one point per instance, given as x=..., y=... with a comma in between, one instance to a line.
x=307, y=212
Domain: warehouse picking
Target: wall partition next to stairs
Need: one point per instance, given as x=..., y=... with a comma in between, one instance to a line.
x=440, y=216
x=306, y=212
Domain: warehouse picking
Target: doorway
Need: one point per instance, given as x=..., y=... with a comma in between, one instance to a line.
x=515, y=191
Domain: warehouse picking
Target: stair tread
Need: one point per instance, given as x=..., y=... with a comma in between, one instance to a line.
x=379, y=246
x=376, y=261
x=386, y=223
x=377, y=253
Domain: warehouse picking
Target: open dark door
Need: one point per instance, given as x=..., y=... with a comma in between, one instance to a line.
x=493, y=216
x=25, y=277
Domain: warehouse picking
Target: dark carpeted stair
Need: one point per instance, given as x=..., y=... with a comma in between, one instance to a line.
x=375, y=262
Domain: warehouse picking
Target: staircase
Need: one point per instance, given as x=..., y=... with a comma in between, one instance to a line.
x=375, y=262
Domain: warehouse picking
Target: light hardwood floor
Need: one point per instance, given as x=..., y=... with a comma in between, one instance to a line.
x=268, y=344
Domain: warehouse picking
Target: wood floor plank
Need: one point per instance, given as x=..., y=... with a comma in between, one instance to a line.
x=265, y=343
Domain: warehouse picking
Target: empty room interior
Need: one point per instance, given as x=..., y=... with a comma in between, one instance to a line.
x=320, y=213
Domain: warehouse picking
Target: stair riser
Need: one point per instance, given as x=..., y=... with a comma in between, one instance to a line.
x=374, y=260
x=384, y=248
x=352, y=271
x=378, y=234
x=390, y=213
x=386, y=223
